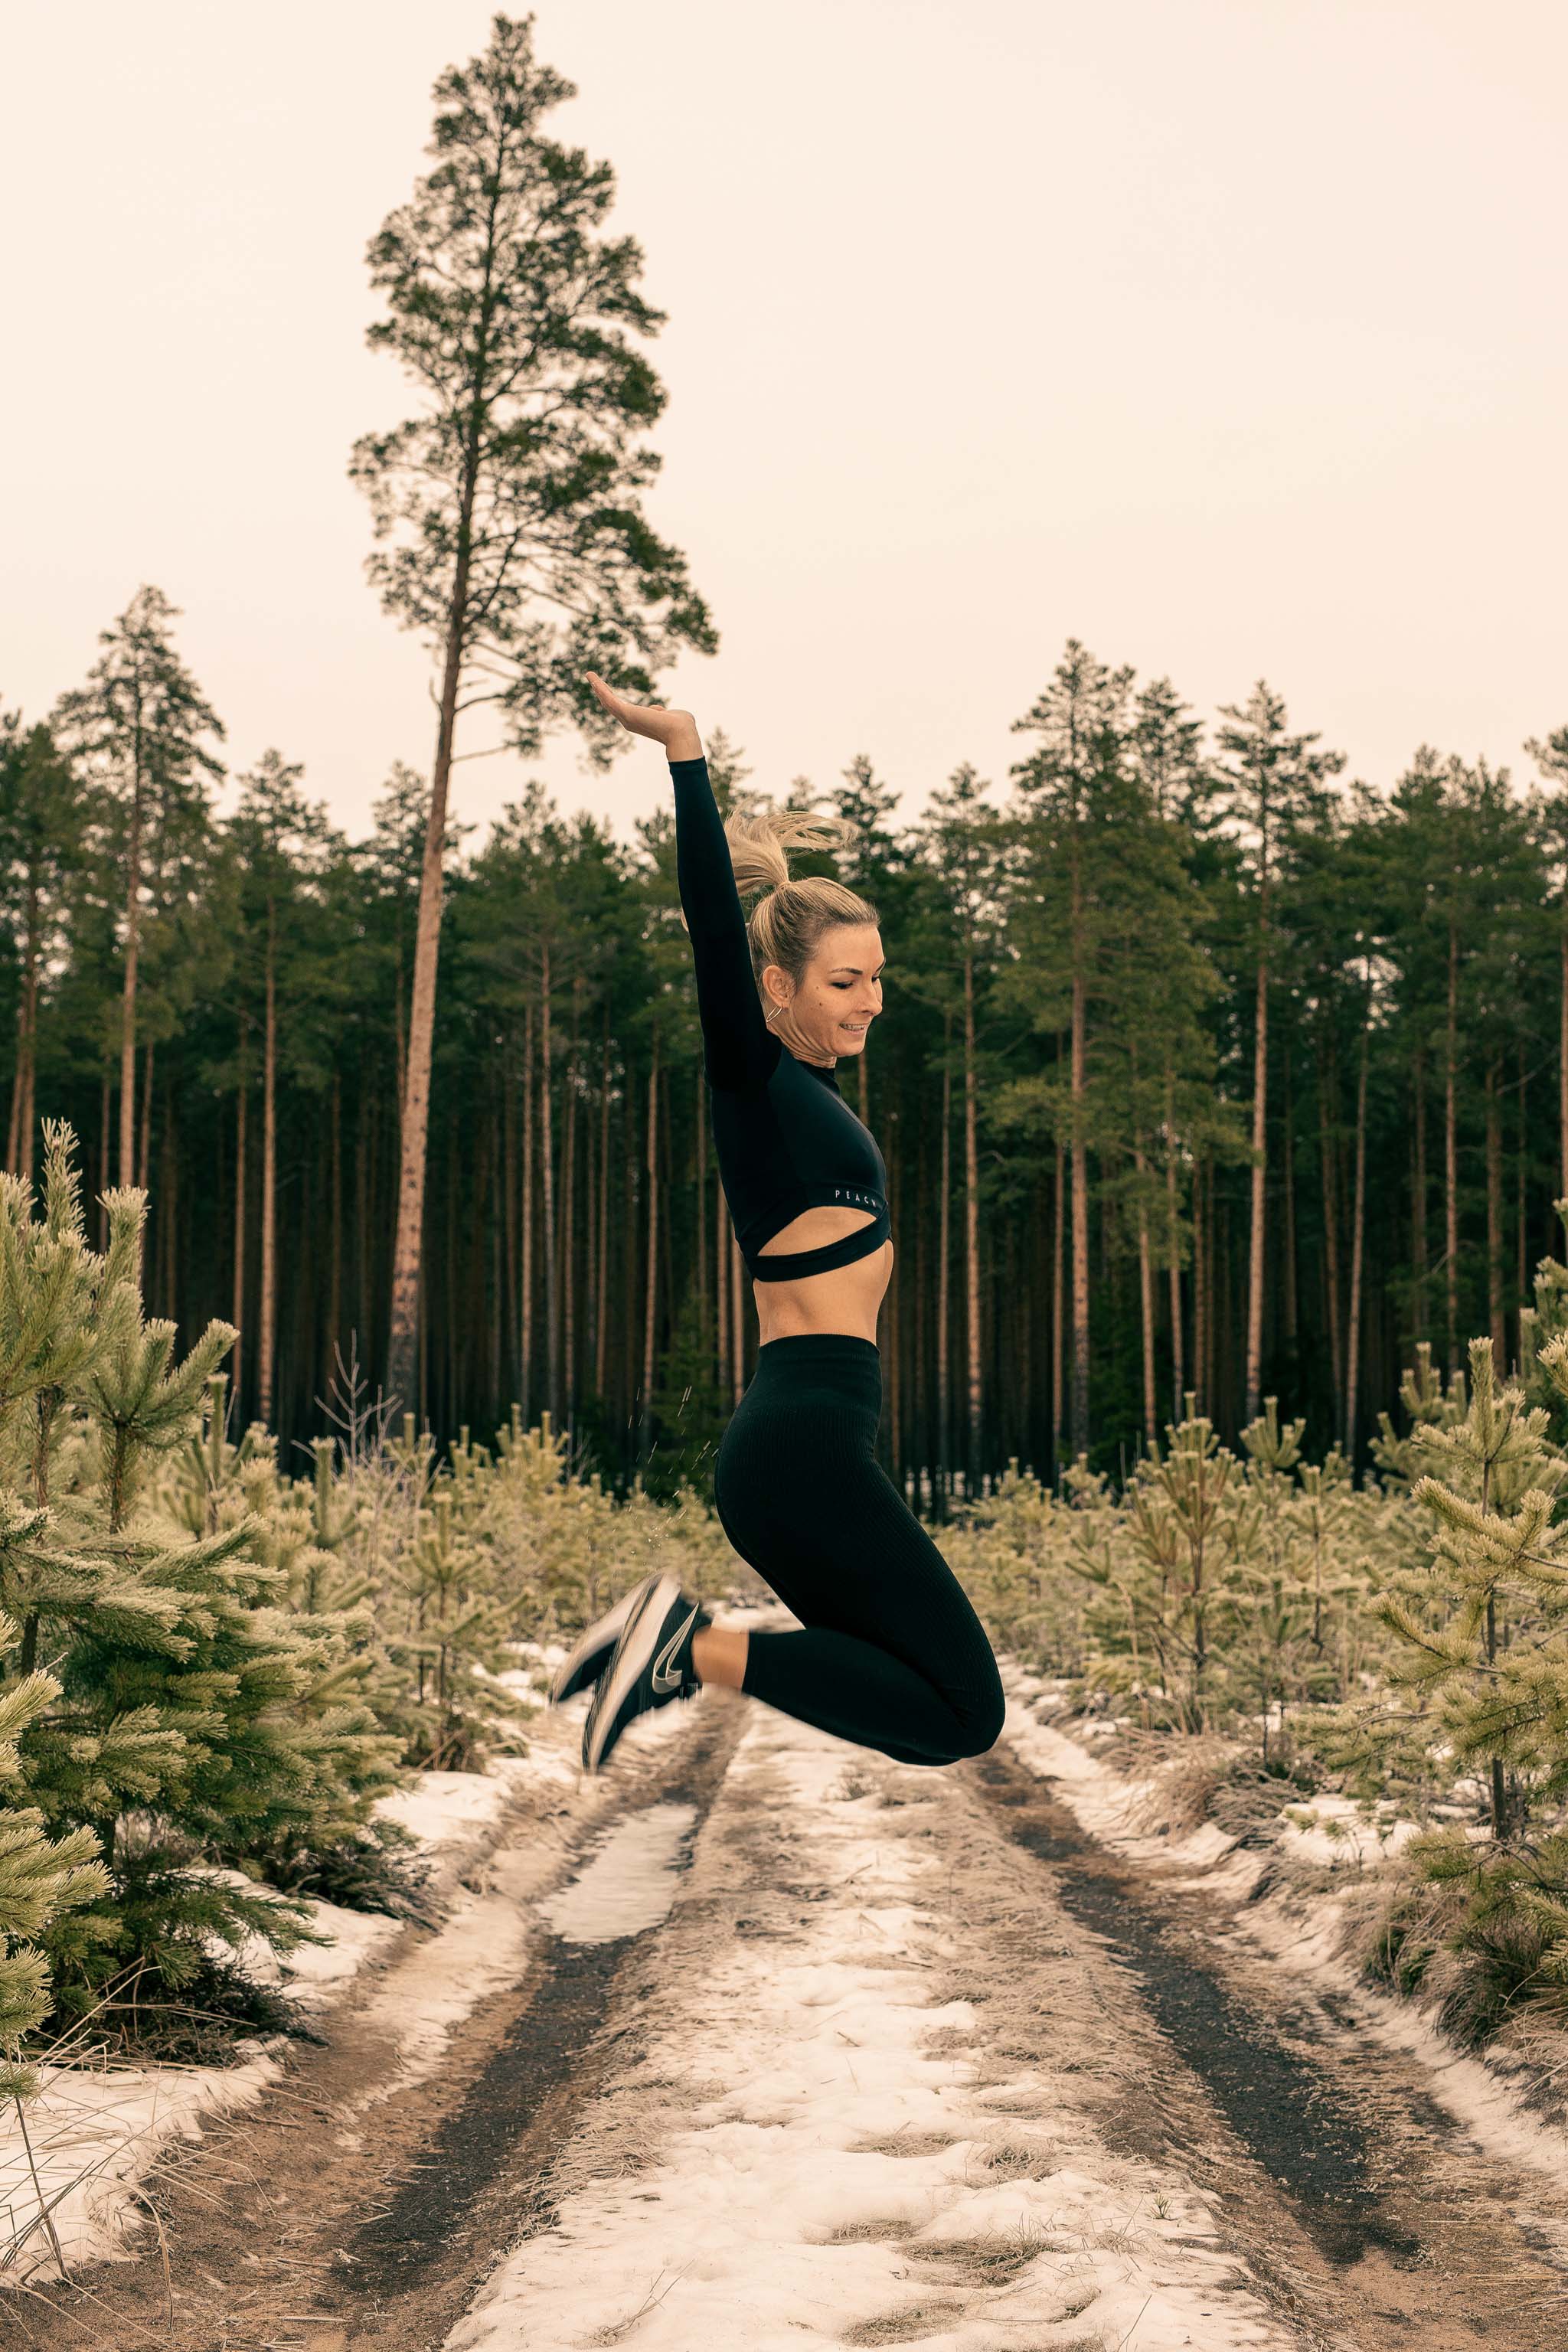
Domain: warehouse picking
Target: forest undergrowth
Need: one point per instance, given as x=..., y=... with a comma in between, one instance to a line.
x=211, y=1670
x=1268, y=1643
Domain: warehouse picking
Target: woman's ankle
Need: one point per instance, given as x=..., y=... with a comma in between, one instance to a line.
x=718, y=1655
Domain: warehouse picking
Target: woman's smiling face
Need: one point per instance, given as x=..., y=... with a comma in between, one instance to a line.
x=840, y=995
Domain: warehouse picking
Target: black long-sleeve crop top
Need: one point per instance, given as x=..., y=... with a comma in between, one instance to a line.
x=786, y=1139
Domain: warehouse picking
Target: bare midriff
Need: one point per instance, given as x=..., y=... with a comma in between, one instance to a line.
x=847, y=1299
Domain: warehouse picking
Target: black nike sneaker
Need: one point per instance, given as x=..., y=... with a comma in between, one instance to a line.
x=649, y=1666
x=590, y=1653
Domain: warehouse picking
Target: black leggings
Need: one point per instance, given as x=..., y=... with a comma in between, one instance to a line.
x=892, y=1654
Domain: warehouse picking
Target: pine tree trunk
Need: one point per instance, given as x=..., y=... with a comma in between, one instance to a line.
x=1146, y=1302
x=667, y=1194
x=1031, y=1290
x=1494, y=1219
x=601, y=1334
x=1329, y=1159
x=1172, y=1217
x=548, y=1238
x=19, y=1139
x=1202, y=1282
x=919, y=1348
x=442, y=1302
x=235, y=1363
x=1259, y=1170
x=127, y=1001
x=144, y=1146
x=568, y=1226
x=525, y=1243
x=168, y=1253
x=1352, y=1350
x=105, y=1180
x=1451, y=1150
x=1292, y=1305
x=1418, y=1198
x=507, y=1278
x=1563, y=1060
x=415, y=1120
x=367, y=1276
x=1079, y=1179
x=422, y=1352
x=971, y=1235
x=1521, y=1161
x=650, y=1294
x=700, y=1157
x=589, y=1252
x=943, y=1263
x=30, y=1100
x=628, y=1254
x=265, y=1336
x=494, y=1302
x=399, y=1026
x=1059, y=1282
x=335, y=1274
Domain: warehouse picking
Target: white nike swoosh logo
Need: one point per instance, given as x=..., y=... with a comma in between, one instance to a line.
x=663, y=1680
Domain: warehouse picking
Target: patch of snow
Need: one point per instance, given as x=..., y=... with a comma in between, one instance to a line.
x=313, y=1973
x=93, y=2133
x=795, y=2057
x=628, y=1883
x=102, y=2130
x=1338, y=1831
x=1473, y=2092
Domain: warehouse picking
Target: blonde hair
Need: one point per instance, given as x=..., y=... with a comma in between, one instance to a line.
x=786, y=925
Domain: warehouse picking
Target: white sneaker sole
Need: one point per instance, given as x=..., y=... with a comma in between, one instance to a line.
x=639, y=1639
x=601, y=1637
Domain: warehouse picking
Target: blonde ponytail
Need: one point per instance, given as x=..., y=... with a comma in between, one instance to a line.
x=787, y=922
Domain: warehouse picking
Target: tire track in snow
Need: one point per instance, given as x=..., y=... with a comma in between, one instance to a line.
x=1419, y=2238
x=860, y=2098
x=481, y=2167
x=263, y=2221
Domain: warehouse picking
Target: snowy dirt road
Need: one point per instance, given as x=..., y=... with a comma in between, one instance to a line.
x=879, y=2055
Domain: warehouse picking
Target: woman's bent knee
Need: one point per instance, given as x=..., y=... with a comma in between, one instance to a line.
x=976, y=1730
x=983, y=1724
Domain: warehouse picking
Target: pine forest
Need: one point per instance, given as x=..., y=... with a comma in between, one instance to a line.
x=371, y=1315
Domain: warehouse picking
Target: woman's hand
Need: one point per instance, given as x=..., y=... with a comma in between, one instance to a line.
x=676, y=730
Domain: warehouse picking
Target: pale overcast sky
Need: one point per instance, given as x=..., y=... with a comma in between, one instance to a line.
x=1227, y=335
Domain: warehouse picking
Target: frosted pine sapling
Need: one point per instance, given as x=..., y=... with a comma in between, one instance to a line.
x=1431, y=1406
x=1494, y=1652
x=1273, y=1605
x=190, y=1719
x=1191, y=1518
x=39, y=1877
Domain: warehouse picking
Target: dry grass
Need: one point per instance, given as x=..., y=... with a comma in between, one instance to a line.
x=1018, y=2157
x=850, y=2233
x=995, y=2258
x=618, y=2136
x=905, y=2326
x=904, y=2143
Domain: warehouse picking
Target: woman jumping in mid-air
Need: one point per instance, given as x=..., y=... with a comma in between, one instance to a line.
x=891, y=1653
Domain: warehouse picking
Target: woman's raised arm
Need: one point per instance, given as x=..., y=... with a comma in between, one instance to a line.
x=739, y=1048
